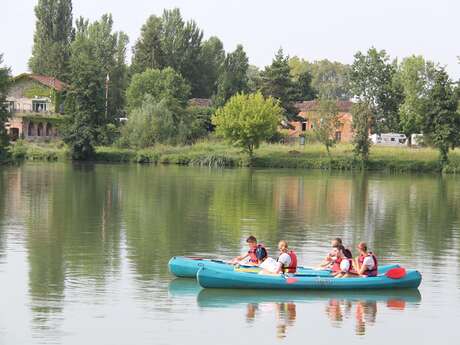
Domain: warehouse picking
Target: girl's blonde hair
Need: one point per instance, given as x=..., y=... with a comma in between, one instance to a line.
x=283, y=244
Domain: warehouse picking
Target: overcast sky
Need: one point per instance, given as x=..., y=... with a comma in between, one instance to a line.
x=311, y=29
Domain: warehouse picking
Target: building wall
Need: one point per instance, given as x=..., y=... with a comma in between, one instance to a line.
x=344, y=131
x=22, y=103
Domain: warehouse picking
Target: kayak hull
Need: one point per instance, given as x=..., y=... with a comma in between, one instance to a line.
x=225, y=279
x=186, y=267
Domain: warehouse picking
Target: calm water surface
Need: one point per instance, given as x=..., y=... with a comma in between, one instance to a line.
x=84, y=252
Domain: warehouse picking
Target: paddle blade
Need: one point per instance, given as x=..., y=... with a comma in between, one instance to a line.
x=396, y=273
x=291, y=280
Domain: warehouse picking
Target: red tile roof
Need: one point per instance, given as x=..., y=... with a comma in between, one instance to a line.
x=51, y=82
x=344, y=106
x=200, y=102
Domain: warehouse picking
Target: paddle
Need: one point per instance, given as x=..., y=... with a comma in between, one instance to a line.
x=396, y=273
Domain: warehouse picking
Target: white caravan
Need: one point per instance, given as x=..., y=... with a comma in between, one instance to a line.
x=389, y=139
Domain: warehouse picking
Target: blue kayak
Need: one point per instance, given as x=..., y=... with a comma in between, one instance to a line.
x=227, y=279
x=187, y=267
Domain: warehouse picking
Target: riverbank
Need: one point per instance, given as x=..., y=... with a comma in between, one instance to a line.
x=218, y=154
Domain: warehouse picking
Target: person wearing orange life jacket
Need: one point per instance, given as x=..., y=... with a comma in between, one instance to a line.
x=366, y=264
x=287, y=260
x=255, y=255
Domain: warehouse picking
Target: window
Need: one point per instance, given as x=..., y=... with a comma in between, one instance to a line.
x=338, y=136
x=48, y=129
x=304, y=126
x=40, y=130
x=30, y=130
x=39, y=106
x=11, y=106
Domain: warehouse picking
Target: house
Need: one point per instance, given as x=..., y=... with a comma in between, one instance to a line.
x=35, y=103
x=308, y=112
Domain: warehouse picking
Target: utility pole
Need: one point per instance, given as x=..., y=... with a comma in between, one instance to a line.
x=107, y=80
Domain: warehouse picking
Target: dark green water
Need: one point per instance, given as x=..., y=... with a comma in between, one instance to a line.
x=84, y=252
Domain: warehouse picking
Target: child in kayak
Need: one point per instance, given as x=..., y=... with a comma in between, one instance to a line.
x=330, y=259
x=286, y=263
x=255, y=255
x=343, y=265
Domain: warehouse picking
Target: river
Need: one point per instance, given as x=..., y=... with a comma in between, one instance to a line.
x=84, y=251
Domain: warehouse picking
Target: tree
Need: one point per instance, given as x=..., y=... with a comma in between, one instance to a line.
x=372, y=81
x=416, y=77
x=168, y=41
x=156, y=122
x=277, y=83
x=330, y=79
x=327, y=123
x=361, y=124
x=212, y=57
x=52, y=38
x=303, y=89
x=233, y=76
x=442, y=121
x=247, y=120
x=160, y=84
x=4, y=85
x=254, y=78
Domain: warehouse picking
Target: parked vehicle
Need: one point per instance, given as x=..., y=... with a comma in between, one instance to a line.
x=390, y=139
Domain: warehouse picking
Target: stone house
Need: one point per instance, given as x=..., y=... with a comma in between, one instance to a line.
x=35, y=103
x=308, y=112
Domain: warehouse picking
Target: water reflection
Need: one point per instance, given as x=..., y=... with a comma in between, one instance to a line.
x=86, y=234
x=339, y=306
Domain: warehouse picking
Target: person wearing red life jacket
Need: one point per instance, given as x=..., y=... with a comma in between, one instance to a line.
x=331, y=257
x=287, y=260
x=344, y=263
x=255, y=255
x=366, y=264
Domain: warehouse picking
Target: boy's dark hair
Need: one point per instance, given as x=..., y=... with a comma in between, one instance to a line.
x=338, y=240
x=251, y=239
x=261, y=253
x=347, y=253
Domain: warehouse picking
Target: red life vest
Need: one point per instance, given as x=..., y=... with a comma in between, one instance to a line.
x=292, y=268
x=368, y=272
x=252, y=254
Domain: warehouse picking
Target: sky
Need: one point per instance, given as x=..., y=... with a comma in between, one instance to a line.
x=310, y=29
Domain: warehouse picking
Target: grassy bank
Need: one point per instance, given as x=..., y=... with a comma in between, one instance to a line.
x=218, y=154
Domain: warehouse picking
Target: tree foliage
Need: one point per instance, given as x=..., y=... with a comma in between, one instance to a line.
x=169, y=41
x=52, y=38
x=4, y=85
x=442, y=121
x=327, y=122
x=372, y=81
x=233, y=76
x=247, y=120
x=362, y=117
x=277, y=83
x=95, y=53
x=159, y=84
x=416, y=78
x=212, y=58
x=156, y=122
x=329, y=79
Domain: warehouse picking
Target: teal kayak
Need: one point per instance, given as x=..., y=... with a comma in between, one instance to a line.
x=187, y=267
x=227, y=279
x=220, y=298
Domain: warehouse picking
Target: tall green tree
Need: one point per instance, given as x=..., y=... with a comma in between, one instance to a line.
x=416, y=77
x=362, y=117
x=372, y=80
x=96, y=53
x=303, y=88
x=233, y=76
x=442, y=121
x=52, y=38
x=247, y=120
x=277, y=83
x=164, y=84
x=4, y=85
x=169, y=41
x=254, y=78
x=212, y=58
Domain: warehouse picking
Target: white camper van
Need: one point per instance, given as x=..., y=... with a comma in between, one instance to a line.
x=389, y=139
